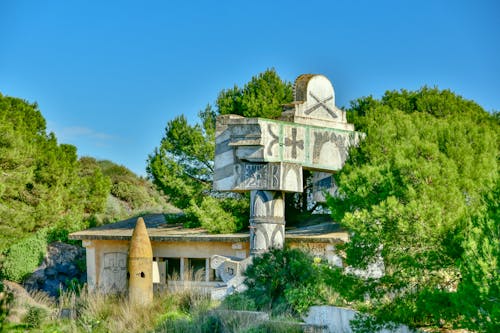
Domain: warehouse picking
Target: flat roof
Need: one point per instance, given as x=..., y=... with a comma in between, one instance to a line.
x=160, y=231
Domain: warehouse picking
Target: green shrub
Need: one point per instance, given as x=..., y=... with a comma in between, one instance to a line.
x=478, y=294
x=275, y=274
x=57, y=235
x=239, y=302
x=212, y=216
x=135, y=195
x=6, y=299
x=35, y=316
x=349, y=287
x=303, y=297
x=188, y=300
x=205, y=321
x=239, y=208
x=23, y=257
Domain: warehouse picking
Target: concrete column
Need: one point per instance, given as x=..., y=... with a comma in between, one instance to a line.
x=181, y=268
x=207, y=269
x=267, y=221
x=91, y=265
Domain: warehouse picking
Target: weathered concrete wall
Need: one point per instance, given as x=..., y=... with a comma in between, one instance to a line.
x=337, y=319
x=200, y=249
x=107, y=265
x=107, y=259
x=286, y=148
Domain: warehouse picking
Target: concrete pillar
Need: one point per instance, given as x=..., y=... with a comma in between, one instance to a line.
x=267, y=220
x=207, y=269
x=181, y=269
x=91, y=265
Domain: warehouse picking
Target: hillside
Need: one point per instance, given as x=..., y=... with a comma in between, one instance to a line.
x=129, y=194
x=46, y=191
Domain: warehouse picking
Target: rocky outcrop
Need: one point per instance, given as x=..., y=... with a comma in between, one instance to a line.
x=62, y=266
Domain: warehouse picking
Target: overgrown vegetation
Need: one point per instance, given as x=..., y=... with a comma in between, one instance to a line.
x=182, y=166
x=290, y=280
x=129, y=195
x=46, y=192
x=5, y=304
x=287, y=280
x=23, y=257
x=421, y=192
x=180, y=310
x=40, y=180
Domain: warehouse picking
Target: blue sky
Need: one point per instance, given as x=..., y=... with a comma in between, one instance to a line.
x=109, y=75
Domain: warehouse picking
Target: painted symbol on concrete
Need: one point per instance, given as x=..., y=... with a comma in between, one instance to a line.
x=275, y=173
x=274, y=141
x=255, y=176
x=320, y=104
x=320, y=138
x=294, y=143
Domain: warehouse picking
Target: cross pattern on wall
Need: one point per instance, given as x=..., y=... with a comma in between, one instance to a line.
x=320, y=104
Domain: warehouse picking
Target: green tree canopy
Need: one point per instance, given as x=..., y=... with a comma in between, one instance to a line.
x=411, y=190
x=47, y=192
x=263, y=96
x=42, y=183
x=182, y=166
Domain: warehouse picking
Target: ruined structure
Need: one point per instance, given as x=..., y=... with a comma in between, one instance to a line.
x=186, y=256
x=263, y=156
x=266, y=157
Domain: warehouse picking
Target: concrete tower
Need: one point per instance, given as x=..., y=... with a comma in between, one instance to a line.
x=140, y=266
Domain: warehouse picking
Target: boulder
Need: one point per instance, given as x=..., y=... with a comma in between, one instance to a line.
x=57, y=269
x=50, y=273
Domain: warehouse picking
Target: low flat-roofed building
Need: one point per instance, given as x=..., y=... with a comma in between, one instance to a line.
x=183, y=254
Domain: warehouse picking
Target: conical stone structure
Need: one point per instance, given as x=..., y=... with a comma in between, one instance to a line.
x=140, y=266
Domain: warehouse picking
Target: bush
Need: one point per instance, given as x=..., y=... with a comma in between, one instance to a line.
x=281, y=279
x=35, y=316
x=6, y=299
x=135, y=195
x=303, y=297
x=239, y=302
x=212, y=216
x=478, y=294
x=23, y=257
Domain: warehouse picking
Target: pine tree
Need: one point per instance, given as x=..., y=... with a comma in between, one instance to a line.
x=182, y=166
x=410, y=192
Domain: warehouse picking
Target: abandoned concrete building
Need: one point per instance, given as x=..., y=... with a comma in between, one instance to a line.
x=265, y=157
x=180, y=254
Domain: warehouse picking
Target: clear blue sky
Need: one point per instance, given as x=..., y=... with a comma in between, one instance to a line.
x=109, y=75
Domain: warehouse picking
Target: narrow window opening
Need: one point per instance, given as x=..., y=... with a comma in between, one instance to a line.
x=197, y=269
x=173, y=268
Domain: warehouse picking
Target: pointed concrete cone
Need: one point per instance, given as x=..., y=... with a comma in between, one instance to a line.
x=140, y=266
